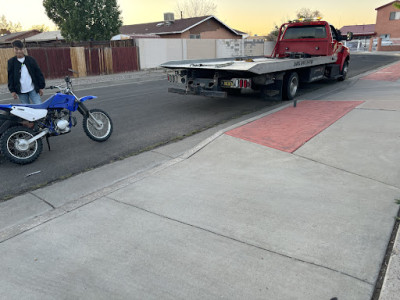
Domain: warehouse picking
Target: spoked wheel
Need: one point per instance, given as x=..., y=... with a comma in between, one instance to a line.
x=290, y=85
x=97, y=125
x=14, y=145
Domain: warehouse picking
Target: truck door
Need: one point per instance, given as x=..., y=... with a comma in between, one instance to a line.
x=336, y=44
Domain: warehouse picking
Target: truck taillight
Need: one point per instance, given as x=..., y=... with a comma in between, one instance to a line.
x=177, y=78
x=242, y=83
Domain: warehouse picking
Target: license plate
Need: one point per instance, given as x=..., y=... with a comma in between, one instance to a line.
x=226, y=83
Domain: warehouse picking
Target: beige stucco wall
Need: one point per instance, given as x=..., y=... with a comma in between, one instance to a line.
x=201, y=48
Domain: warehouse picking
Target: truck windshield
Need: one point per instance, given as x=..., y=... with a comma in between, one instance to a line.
x=305, y=32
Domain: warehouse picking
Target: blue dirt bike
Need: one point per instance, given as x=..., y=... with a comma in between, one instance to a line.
x=23, y=126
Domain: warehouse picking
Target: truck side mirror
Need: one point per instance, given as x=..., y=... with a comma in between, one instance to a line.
x=339, y=35
x=349, y=36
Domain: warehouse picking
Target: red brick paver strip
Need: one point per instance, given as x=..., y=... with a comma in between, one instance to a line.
x=391, y=73
x=292, y=127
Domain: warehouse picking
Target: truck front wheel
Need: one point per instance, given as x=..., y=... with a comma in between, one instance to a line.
x=345, y=69
x=290, y=86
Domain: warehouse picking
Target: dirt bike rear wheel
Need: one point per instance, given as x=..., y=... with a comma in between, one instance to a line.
x=14, y=146
x=98, y=131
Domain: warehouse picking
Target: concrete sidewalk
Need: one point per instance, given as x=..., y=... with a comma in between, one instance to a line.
x=228, y=219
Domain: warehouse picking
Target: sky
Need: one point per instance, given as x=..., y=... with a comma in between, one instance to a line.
x=251, y=16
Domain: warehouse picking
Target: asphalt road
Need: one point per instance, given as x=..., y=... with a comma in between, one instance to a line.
x=145, y=116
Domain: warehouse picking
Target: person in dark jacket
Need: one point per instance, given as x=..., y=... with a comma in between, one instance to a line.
x=25, y=79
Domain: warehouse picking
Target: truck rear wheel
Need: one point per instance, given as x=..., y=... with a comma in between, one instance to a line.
x=290, y=86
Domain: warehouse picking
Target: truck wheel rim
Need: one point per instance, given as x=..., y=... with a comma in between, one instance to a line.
x=345, y=68
x=294, y=83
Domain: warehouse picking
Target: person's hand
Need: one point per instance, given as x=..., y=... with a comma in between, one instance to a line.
x=14, y=94
x=41, y=92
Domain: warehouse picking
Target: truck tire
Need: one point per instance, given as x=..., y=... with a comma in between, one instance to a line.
x=290, y=85
x=344, y=71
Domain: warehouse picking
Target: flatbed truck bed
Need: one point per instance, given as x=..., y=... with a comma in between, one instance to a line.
x=304, y=52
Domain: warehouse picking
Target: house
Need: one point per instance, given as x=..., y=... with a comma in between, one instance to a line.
x=361, y=32
x=9, y=38
x=388, y=21
x=206, y=27
x=47, y=36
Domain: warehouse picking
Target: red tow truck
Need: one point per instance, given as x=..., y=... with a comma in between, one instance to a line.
x=306, y=51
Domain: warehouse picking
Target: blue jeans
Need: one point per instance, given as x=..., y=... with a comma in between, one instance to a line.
x=35, y=97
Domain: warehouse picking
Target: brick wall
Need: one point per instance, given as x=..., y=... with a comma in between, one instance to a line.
x=386, y=26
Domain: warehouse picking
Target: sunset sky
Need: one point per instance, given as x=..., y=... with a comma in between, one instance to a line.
x=252, y=16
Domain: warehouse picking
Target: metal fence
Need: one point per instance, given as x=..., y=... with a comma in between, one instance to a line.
x=392, y=44
x=358, y=45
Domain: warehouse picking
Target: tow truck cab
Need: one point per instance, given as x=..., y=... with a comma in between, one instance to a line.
x=312, y=38
x=315, y=38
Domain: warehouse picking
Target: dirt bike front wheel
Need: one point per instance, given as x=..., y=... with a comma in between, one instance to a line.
x=97, y=125
x=14, y=145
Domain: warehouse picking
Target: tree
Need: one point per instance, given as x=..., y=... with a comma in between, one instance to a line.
x=302, y=13
x=8, y=26
x=41, y=28
x=273, y=35
x=84, y=20
x=307, y=13
x=196, y=8
x=397, y=5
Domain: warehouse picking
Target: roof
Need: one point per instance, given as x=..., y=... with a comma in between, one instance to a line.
x=390, y=3
x=240, y=32
x=17, y=35
x=120, y=37
x=359, y=29
x=46, y=36
x=163, y=27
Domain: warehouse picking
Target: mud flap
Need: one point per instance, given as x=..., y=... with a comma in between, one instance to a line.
x=273, y=91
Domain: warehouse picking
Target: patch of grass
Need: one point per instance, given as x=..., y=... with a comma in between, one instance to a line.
x=6, y=197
